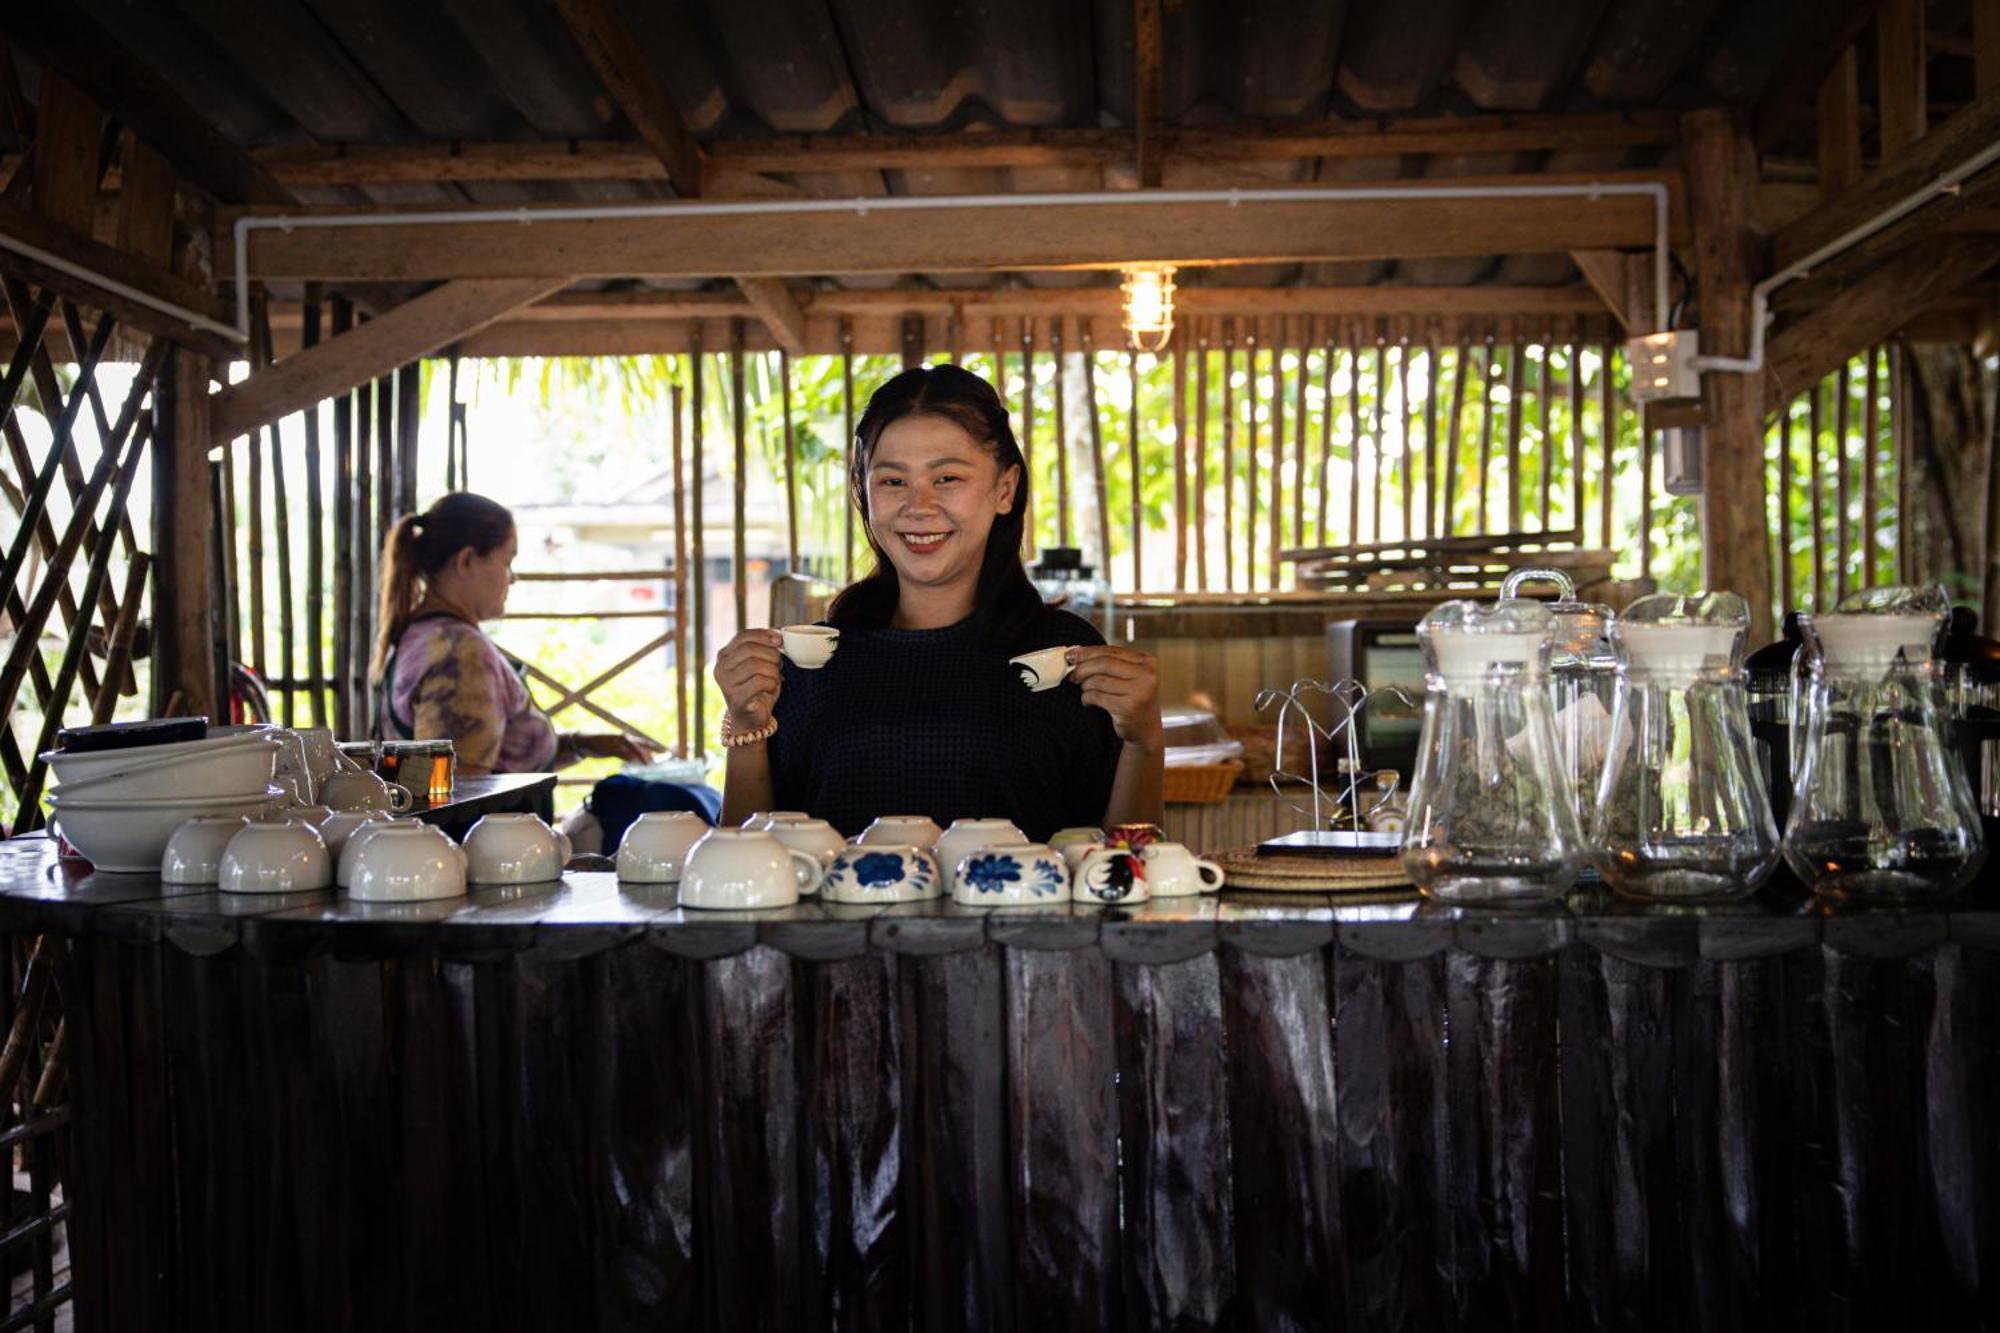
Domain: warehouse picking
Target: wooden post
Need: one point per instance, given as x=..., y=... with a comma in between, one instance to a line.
x=1485, y=511
x=1901, y=55
x=1380, y=455
x=1901, y=445
x=739, y=421
x=1132, y=457
x=677, y=435
x=1276, y=503
x=254, y=447
x=1097, y=470
x=1816, y=491
x=1299, y=436
x=1250, y=498
x=791, y=463
x=183, y=657
x=1548, y=446
x=1325, y=437
x=1433, y=523
x=1517, y=357
x=1787, y=570
x=1180, y=460
x=1575, y=441
x=341, y=679
x=1408, y=453
x=1843, y=549
x=1455, y=443
x=1607, y=441
x=1722, y=186
x=1028, y=535
x=409, y=422
x=697, y=527
x=1871, y=435
x=1228, y=454
x=1200, y=479
x=1354, y=439
x=1062, y=433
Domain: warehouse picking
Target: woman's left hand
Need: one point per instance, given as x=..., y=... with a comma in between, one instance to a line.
x=1125, y=683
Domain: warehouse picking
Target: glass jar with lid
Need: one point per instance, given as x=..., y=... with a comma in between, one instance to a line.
x=1882, y=807
x=1582, y=683
x=1488, y=818
x=1682, y=814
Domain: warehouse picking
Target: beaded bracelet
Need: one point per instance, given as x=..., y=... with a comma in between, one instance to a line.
x=732, y=738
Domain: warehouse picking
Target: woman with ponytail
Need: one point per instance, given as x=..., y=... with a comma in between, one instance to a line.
x=919, y=711
x=436, y=675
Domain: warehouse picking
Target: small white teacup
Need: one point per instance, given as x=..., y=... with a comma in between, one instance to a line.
x=514, y=849
x=655, y=846
x=365, y=791
x=810, y=646
x=810, y=835
x=902, y=831
x=1010, y=875
x=1172, y=871
x=763, y=819
x=194, y=853
x=403, y=861
x=1043, y=670
x=744, y=868
x=1074, y=842
x=274, y=857
x=340, y=825
x=1109, y=875
x=315, y=815
x=875, y=873
x=966, y=836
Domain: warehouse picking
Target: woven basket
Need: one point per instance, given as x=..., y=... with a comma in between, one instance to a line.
x=1202, y=784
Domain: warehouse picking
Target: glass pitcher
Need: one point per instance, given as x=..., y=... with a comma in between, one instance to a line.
x=1488, y=821
x=1882, y=808
x=1582, y=683
x=1682, y=814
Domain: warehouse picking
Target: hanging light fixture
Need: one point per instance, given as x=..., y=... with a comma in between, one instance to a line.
x=1149, y=306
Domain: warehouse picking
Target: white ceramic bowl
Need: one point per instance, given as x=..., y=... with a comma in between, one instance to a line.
x=655, y=846
x=275, y=857
x=746, y=868
x=902, y=831
x=404, y=862
x=95, y=763
x=130, y=837
x=230, y=770
x=194, y=852
x=878, y=873
x=810, y=835
x=514, y=849
x=340, y=825
x=763, y=819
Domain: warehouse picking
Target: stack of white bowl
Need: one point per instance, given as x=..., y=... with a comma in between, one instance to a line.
x=118, y=808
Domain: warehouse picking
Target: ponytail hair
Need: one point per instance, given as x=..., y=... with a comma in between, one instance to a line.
x=417, y=550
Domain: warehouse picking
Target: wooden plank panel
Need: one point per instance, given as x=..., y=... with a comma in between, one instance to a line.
x=126, y=269
x=68, y=128
x=634, y=88
x=1901, y=55
x=146, y=203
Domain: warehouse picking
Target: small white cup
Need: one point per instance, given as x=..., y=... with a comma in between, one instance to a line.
x=340, y=825
x=1108, y=876
x=1010, y=875
x=902, y=831
x=194, y=853
x=514, y=849
x=404, y=861
x=655, y=846
x=274, y=857
x=1045, y=669
x=810, y=646
x=763, y=819
x=969, y=835
x=315, y=815
x=873, y=873
x=365, y=791
x=1172, y=871
x=810, y=835
x=743, y=868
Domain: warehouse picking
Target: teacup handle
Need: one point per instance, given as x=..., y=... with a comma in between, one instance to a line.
x=811, y=871
x=401, y=801
x=1210, y=872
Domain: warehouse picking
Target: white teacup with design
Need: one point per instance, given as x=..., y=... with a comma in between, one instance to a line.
x=810, y=835
x=902, y=831
x=809, y=646
x=1108, y=876
x=874, y=873
x=514, y=849
x=1074, y=842
x=745, y=868
x=274, y=857
x=656, y=844
x=1172, y=871
x=966, y=836
x=1043, y=670
x=1019, y=874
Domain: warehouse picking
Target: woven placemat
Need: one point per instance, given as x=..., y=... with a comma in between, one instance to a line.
x=1294, y=872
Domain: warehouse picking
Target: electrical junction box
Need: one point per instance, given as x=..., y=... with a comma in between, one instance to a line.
x=1663, y=365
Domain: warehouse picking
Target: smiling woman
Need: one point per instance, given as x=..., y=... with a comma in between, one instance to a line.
x=918, y=711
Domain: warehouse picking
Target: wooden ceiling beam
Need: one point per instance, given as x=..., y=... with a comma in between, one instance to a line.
x=119, y=266
x=63, y=37
x=1267, y=141
x=1083, y=235
x=629, y=80
x=776, y=306
x=1902, y=107
x=398, y=337
x=1790, y=92
x=1148, y=53
x=1624, y=283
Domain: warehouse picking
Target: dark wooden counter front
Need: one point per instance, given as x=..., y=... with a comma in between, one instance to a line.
x=580, y=1107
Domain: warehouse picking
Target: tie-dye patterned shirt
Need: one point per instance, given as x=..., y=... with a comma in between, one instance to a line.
x=448, y=681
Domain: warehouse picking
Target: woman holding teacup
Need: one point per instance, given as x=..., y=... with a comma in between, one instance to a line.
x=914, y=707
x=436, y=675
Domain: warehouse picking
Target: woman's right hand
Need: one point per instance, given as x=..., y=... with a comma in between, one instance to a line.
x=747, y=670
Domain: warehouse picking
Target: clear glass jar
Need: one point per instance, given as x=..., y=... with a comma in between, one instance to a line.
x=1682, y=814
x=1583, y=684
x=1882, y=808
x=1488, y=821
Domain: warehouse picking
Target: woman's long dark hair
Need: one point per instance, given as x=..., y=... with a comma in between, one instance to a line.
x=1004, y=598
x=419, y=547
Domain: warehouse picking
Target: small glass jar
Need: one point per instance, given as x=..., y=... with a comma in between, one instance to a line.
x=442, y=772
x=1583, y=683
x=1489, y=821
x=1682, y=814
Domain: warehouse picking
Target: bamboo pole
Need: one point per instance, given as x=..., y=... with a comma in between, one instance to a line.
x=1325, y=437
x=1575, y=386
x=1842, y=534
x=1817, y=490
x=739, y=513
x=1486, y=367
x=409, y=429
x=1871, y=432
x=315, y=530
x=1378, y=452
x=1407, y=454
x=388, y=465
x=1097, y=469
x=1029, y=535
x=1061, y=425
x=1200, y=478
x=1276, y=504
x=1433, y=492
x=676, y=435
x=847, y=436
x=697, y=530
x=1548, y=450
x=1299, y=444
x=1787, y=572
x=1228, y=454
x=45, y=540
x=791, y=463
x=1252, y=384
x=1132, y=455
x=1902, y=446
x=1645, y=501
x=1448, y=520
x=343, y=540
x=1516, y=359
x=1607, y=440
x=123, y=632
x=363, y=555
x=1180, y=460
x=1354, y=438
x=37, y=491
x=72, y=468
x=253, y=448
x=29, y=326
x=281, y=513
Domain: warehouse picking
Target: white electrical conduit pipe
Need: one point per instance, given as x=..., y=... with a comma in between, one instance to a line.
x=192, y=318
x=1760, y=295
